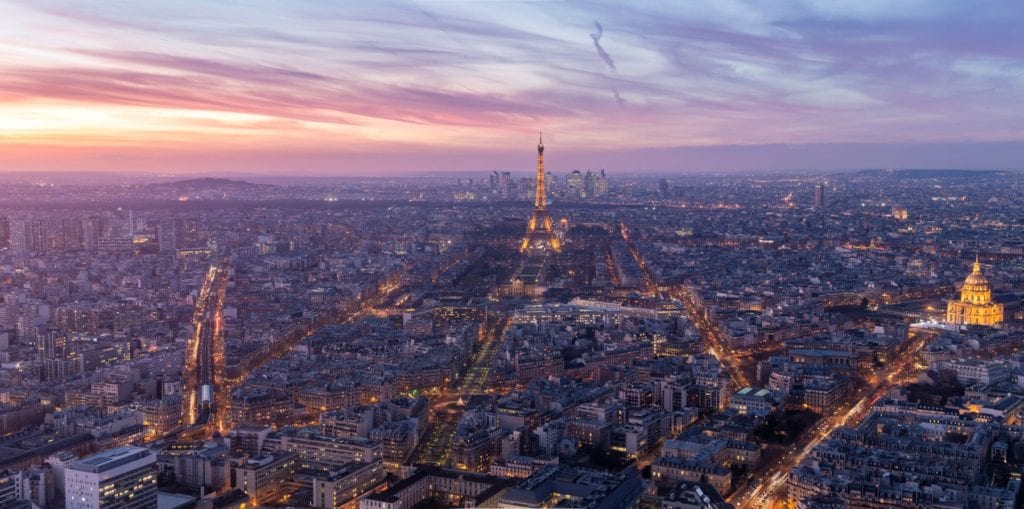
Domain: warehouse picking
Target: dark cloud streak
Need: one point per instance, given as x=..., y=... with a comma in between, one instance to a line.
x=596, y=37
x=600, y=50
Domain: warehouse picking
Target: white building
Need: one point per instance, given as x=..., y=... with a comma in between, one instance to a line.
x=757, y=402
x=973, y=371
x=124, y=477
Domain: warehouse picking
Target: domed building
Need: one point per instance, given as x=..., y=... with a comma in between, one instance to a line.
x=975, y=306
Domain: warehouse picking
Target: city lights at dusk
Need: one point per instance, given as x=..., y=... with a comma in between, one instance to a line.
x=511, y=254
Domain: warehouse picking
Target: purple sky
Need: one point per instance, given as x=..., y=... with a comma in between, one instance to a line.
x=365, y=87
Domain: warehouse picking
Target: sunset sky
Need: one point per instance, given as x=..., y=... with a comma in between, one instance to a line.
x=316, y=87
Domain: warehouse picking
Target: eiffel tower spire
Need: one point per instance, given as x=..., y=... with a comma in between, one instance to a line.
x=539, y=234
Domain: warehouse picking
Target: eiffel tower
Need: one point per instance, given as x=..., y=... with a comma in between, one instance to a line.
x=539, y=235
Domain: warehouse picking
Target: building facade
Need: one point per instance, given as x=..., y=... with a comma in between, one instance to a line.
x=124, y=477
x=975, y=306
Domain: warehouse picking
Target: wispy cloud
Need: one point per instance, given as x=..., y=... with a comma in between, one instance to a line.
x=596, y=36
x=464, y=75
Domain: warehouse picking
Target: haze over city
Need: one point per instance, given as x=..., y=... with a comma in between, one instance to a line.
x=322, y=88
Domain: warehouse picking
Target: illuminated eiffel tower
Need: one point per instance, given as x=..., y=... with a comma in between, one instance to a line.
x=539, y=235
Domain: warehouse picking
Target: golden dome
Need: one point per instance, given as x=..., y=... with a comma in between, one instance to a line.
x=976, y=278
x=975, y=306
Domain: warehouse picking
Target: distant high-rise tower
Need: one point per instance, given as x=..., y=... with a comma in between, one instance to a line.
x=493, y=181
x=5, y=232
x=73, y=235
x=27, y=236
x=505, y=184
x=38, y=240
x=601, y=185
x=539, y=234
x=575, y=184
x=18, y=236
x=51, y=345
x=819, y=196
x=166, y=237
x=589, y=184
x=663, y=187
x=92, y=231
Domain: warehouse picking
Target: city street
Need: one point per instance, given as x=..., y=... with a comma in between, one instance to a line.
x=712, y=337
x=770, y=489
x=446, y=410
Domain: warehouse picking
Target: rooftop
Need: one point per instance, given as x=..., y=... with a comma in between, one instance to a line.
x=110, y=459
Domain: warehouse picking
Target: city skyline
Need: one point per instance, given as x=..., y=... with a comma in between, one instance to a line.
x=751, y=342
x=396, y=88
